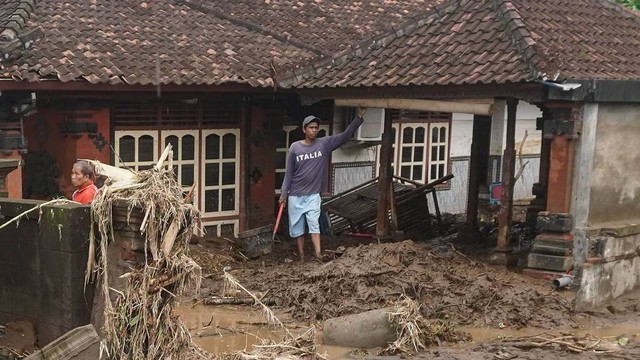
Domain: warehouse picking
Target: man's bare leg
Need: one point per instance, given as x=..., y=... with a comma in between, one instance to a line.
x=300, y=242
x=315, y=239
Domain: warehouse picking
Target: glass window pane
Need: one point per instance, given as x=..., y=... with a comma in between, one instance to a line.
x=417, y=172
x=418, y=153
x=281, y=161
x=405, y=172
x=420, y=135
x=145, y=167
x=434, y=135
x=188, y=147
x=406, y=154
x=212, y=147
x=127, y=149
x=211, y=201
x=228, y=199
x=279, y=180
x=228, y=173
x=434, y=153
x=212, y=174
x=187, y=175
x=281, y=139
x=145, y=148
x=443, y=134
x=442, y=154
x=173, y=140
x=295, y=135
x=229, y=146
x=434, y=172
x=440, y=170
x=407, y=135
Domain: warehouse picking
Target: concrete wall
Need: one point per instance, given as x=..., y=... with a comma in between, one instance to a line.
x=612, y=266
x=42, y=268
x=615, y=183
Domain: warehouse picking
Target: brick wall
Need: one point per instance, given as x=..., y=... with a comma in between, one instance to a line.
x=42, y=267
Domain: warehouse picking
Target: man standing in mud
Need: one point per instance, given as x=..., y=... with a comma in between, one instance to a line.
x=306, y=171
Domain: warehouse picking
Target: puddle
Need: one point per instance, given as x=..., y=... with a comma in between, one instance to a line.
x=226, y=329
x=220, y=329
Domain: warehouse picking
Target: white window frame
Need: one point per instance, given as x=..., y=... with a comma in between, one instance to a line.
x=218, y=225
x=205, y=161
x=136, y=134
x=397, y=154
x=400, y=145
x=179, y=162
x=445, y=161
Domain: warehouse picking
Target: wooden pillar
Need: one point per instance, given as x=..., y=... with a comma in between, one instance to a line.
x=560, y=175
x=384, y=183
x=477, y=170
x=508, y=167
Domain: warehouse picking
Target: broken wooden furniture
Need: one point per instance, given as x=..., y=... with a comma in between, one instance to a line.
x=355, y=210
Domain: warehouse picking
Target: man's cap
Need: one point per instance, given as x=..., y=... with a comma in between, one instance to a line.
x=309, y=119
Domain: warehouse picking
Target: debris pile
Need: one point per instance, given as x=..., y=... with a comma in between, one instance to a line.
x=447, y=286
x=140, y=322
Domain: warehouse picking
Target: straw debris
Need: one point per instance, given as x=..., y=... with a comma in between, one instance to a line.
x=414, y=332
x=139, y=320
x=291, y=346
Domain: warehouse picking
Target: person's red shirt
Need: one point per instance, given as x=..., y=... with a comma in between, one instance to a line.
x=86, y=193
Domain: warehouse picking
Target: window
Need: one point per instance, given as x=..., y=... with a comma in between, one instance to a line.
x=221, y=157
x=137, y=150
x=420, y=150
x=185, y=155
x=286, y=137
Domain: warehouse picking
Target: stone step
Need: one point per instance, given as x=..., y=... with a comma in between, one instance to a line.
x=550, y=262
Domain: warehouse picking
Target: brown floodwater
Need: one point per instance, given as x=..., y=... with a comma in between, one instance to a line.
x=226, y=329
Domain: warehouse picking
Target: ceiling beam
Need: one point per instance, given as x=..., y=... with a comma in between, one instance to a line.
x=421, y=105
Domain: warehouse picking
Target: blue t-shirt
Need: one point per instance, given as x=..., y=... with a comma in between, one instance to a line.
x=307, y=163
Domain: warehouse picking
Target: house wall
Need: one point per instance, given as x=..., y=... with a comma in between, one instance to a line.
x=351, y=165
x=42, y=266
x=615, y=190
x=47, y=132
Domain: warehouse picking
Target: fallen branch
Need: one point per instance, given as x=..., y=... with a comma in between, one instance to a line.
x=214, y=300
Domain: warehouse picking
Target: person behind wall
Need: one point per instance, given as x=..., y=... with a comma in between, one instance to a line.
x=305, y=172
x=81, y=175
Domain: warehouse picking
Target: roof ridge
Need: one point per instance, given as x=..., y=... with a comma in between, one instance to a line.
x=17, y=20
x=13, y=36
x=523, y=39
x=200, y=6
x=374, y=42
x=616, y=6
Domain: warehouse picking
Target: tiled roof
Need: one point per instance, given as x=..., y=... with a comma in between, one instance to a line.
x=144, y=42
x=491, y=41
x=323, y=25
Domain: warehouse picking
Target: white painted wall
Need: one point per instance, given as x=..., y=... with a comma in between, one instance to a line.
x=454, y=199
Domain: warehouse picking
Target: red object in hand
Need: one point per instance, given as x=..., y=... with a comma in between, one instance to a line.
x=275, y=228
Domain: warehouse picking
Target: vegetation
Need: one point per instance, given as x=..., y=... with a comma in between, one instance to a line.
x=632, y=4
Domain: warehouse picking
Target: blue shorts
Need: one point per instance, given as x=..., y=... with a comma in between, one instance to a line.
x=301, y=208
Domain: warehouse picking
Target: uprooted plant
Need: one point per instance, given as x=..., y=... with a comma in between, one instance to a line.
x=138, y=321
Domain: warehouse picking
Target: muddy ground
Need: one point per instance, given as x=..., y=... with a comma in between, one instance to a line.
x=450, y=281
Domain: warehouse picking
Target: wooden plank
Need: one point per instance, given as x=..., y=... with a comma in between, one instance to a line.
x=421, y=105
x=508, y=164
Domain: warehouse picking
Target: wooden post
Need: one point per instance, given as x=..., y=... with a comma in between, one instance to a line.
x=480, y=138
x=384, y=184
x=508, y=167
